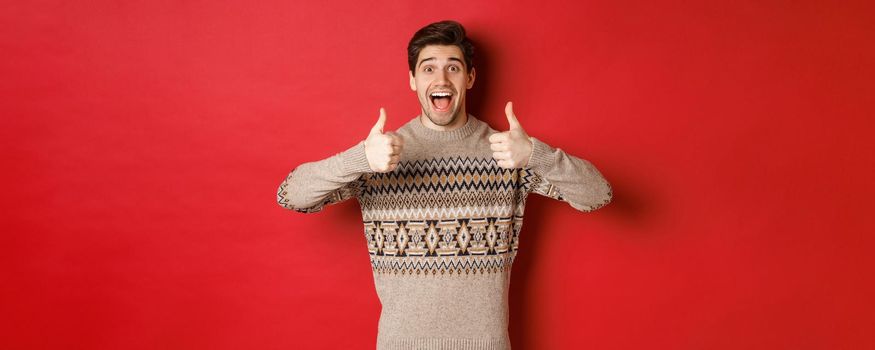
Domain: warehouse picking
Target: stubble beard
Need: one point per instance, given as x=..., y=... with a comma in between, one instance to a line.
x=427, y=108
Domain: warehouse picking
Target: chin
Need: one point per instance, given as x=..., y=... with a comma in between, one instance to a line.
x=442, y=120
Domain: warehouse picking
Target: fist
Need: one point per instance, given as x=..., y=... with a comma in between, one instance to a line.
x=512, y=148
x=383, y=150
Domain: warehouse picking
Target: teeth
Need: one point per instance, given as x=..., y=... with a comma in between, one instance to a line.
x=440, y=94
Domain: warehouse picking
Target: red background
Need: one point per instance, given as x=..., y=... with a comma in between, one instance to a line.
x=143, y=142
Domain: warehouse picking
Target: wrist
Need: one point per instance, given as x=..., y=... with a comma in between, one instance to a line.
x=531, y=151
x=542, y=158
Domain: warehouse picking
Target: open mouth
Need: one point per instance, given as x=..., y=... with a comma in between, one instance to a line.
x=441, y=100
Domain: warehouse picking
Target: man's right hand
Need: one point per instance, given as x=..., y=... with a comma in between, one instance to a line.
x=383, y=150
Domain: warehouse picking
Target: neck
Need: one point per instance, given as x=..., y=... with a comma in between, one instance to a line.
x=420, y=131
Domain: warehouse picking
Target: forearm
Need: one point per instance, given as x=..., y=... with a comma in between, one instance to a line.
x=577, y=180
x=310, y=186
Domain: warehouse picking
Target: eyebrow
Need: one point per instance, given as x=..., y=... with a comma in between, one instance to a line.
x=435, y=58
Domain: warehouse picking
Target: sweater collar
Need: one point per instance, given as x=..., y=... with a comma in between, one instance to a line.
x=460, y=133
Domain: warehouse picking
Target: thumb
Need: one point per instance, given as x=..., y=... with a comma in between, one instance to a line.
x=378, y=128
x=511, y=118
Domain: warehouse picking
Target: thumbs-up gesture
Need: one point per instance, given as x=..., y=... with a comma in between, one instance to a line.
x=512, y=148
x=383, y=150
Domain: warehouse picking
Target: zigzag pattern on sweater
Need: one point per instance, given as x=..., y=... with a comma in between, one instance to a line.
x=440, y=175
x=442, y=265
x=448, y=183
x=417, y=186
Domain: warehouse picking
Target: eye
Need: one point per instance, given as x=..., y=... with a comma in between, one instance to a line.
x=427, y=69
x=454, y=68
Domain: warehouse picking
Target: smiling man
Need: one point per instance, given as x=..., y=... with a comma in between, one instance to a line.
x=439, y=76
x=442, y=202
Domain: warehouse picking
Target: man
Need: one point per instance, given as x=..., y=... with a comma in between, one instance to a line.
x=442, y=200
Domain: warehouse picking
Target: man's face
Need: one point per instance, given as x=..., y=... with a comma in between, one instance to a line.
x=440, y=82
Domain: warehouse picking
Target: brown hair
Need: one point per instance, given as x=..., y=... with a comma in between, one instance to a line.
x=440, y=33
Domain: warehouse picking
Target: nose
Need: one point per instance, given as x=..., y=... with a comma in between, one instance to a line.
x=441, y=76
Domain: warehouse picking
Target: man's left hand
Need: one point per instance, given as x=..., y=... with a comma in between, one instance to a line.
x=512, y=148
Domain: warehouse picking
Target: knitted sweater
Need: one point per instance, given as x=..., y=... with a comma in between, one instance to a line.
x=443, y=228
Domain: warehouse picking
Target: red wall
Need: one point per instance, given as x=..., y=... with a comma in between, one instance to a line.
x=143, y=142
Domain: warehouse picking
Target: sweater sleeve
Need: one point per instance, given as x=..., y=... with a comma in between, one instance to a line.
x=311, y=186
x=559, y=175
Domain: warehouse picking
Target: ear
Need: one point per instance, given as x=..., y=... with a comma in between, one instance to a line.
x=412, y=81
x=471, y=77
